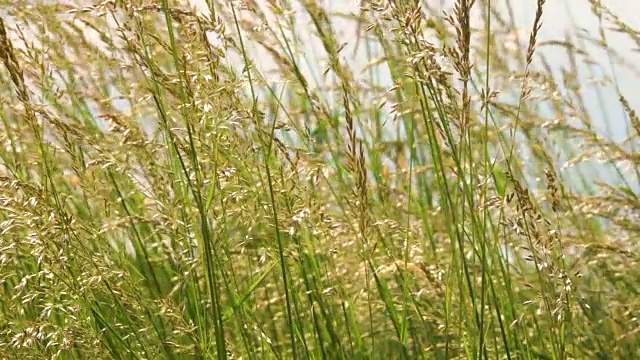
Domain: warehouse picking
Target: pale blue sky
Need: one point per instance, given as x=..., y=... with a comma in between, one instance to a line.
x=559, y=17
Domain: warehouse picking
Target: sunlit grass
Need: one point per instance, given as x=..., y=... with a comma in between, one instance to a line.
x=435, y=190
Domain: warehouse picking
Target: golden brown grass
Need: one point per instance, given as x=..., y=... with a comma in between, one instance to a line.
x=163, y=196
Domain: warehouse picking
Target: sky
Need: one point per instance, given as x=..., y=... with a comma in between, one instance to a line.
x=559, y=16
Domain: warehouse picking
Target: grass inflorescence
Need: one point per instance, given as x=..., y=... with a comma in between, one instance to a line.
x=227, y=183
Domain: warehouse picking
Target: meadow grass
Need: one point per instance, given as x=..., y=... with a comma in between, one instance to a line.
x=163, y=197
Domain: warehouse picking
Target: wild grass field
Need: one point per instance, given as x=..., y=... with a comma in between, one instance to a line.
x=163, y=197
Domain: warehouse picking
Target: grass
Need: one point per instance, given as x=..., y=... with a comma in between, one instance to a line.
x=164, y=197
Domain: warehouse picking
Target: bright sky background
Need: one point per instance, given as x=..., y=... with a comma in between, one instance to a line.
x=558, y=17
